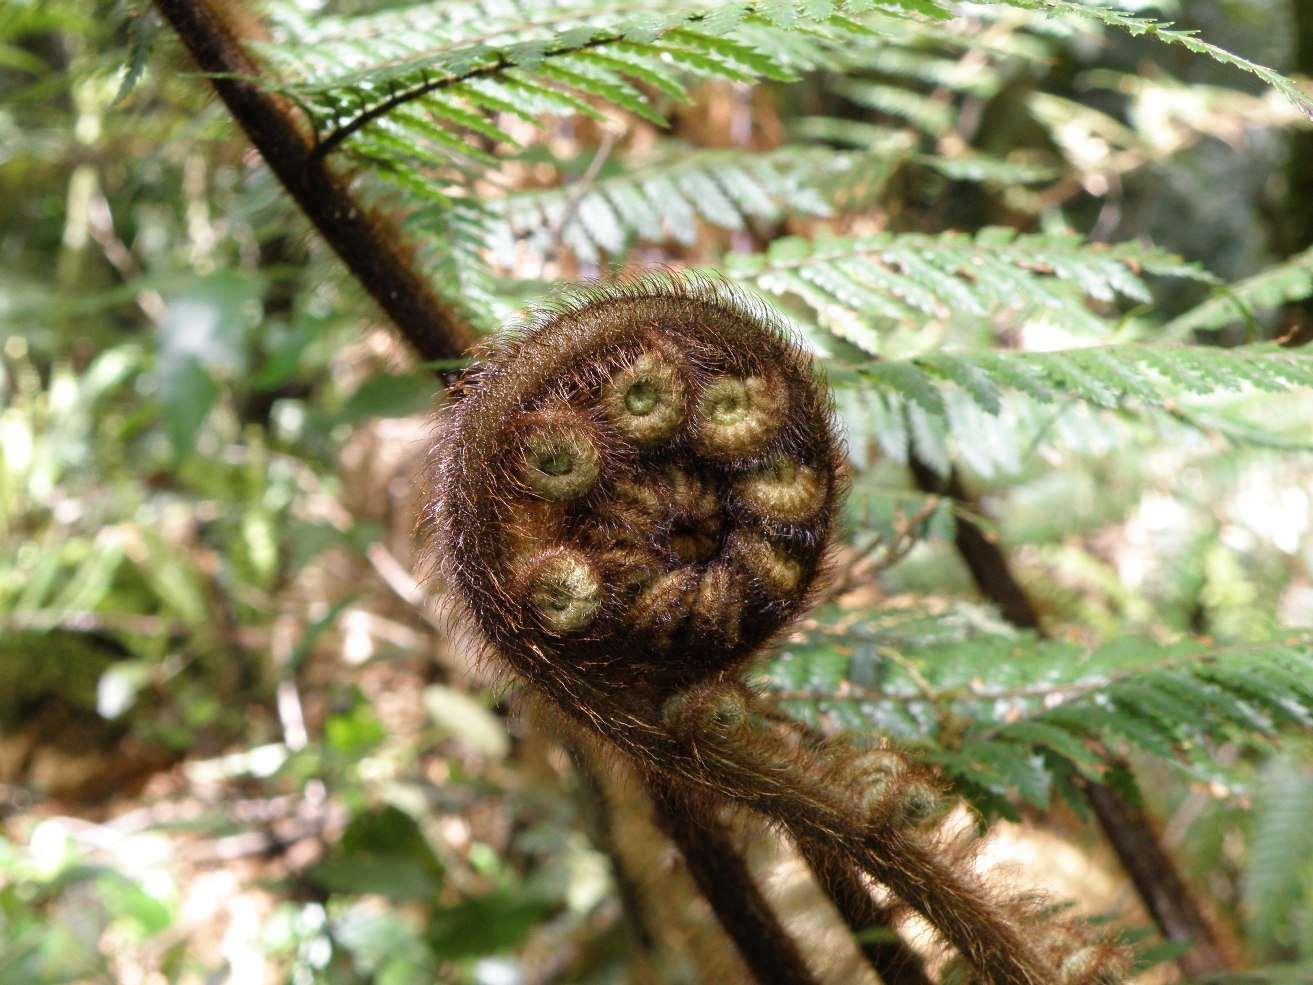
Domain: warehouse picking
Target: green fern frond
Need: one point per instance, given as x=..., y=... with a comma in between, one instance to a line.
x=932, y=10
x=1277, y=876
x=1012, y=715
x=968, y=166
x=1070, y=122
x=896, y=147
x=452, y=242
x=920, y=70
x=665, y=199
x=1300, y=973
x=857, y=284
x=932, y=116
x=1138, y=25
x=1102, y=375
x=1289, y=281
x=932, y=51
x=526, y=59
x=947, y=72
x=884, y=424
x=947, y=407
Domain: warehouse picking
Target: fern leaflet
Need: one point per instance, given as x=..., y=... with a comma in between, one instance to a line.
x=1291, y=280
x=665, y=198
x=1277, y=874
x=1051, y=712
x=920, y=404
x=1137, y=25
x=522, y=59
x=856, y=283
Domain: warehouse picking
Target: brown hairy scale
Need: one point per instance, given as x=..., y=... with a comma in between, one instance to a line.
x=632, y=493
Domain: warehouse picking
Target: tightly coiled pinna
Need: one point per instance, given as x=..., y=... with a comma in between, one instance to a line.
x=636, y=486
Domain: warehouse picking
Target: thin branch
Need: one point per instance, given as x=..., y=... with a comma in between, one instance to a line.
x=982, y=555
x=100, y=224
x=718, y=868
x=1166, y=895
x=370, y=245
x=871, y=923
x=598, y=814
x=584, y=183
x=864, y=565
x=403, y=583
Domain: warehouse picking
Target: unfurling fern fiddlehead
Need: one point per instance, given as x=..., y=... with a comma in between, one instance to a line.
x=632, y=494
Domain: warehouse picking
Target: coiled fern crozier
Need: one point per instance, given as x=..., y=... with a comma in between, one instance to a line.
x=635, y=492
x=632, y=493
